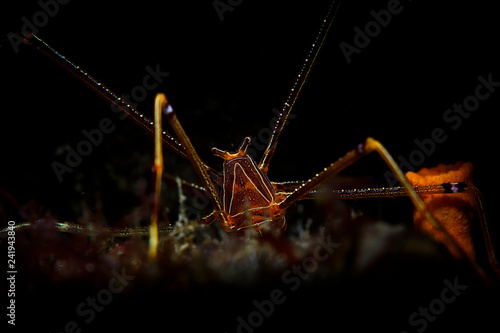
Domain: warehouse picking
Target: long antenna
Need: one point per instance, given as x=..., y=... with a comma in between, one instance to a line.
x=103, y=91
x=299, y=82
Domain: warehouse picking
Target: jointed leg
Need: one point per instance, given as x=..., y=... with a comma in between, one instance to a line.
x=488, y=237
x=287, y=188
x=369, y=146
x=158, y=171
x=196, y=161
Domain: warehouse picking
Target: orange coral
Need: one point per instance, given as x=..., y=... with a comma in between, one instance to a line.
x=453, y=211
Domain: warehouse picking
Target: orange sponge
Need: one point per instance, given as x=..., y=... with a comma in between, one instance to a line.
x=453, y=211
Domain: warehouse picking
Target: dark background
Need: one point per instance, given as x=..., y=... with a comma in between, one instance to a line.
x=225, y=79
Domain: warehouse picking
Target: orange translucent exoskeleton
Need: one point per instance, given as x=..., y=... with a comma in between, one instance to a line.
x=248, y=196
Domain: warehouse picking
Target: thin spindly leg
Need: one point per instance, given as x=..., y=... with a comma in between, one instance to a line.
x=78, y=229
x=103, y=91
x=488, y=237
x=109, y=96
x=284, y=189
x=354, y=155
x=158, y=171
x=196, y=161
